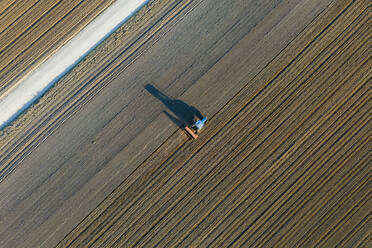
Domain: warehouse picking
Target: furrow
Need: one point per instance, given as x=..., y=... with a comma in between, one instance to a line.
x=364, y=182
x=259, y=194
x=306, y=202
x=311, y=213
x=12, y=148
x=267, y=229
x=357, y=232
x=245, y=166
x=365, y=241
x=287, y=194
x=210, y=198
x=334, y=197
x=300, y=141
x=222, y=168
x=5, y=5
x=358, y=202
x=25, y=26
x=14, y=13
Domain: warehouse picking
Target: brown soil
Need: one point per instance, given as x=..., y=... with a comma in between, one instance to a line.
x=286, y=165
x=32, y=31
x=283, y=162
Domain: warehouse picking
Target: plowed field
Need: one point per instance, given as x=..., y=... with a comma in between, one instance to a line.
x=284, y=166
x=31, y=31
x=284, y=160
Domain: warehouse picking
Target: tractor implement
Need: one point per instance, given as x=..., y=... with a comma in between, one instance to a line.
x=191, y=132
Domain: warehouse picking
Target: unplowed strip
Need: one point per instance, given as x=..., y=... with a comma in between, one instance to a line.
x=284, y=166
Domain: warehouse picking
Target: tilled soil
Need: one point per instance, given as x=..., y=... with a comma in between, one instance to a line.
x=31, y=31
x=283, y=161
x=284, y=166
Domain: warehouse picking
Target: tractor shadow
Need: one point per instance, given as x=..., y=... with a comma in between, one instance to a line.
x=182, y=113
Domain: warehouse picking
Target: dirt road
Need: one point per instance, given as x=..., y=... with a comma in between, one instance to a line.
x=283, y=161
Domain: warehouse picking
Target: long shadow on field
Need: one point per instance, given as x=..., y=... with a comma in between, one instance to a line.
x=182, y=112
